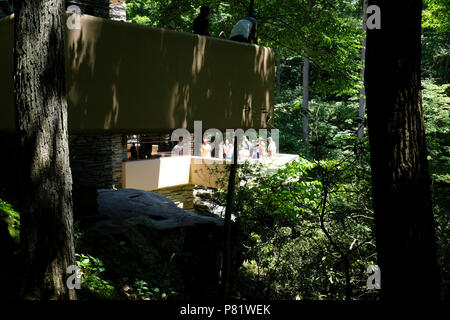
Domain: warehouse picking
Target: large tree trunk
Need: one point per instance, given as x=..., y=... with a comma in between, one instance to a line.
x=46, y=181
x=401, y=183
x=362, y=91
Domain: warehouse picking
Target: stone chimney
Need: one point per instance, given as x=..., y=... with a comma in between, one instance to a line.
x=96, y=159
x=118, y=10
x=108, y=9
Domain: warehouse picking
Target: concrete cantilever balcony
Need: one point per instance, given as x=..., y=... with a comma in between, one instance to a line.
x=123, y=78
x=154, y=174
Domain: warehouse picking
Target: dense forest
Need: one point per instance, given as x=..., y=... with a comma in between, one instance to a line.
x=308, y=231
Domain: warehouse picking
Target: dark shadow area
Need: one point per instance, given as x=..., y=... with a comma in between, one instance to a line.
x=9, y=164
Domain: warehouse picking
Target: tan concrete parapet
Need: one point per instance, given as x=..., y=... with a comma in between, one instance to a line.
x=127, y=78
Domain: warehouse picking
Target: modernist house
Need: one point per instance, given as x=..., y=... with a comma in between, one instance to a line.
x=125, y=79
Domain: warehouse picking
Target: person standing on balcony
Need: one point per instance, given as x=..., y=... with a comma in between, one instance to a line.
x=201, y=23
x=254, y=150
x=5, y=8
x=245, y=143
x=272, y=147
x=225, y=149
x=245, y=31
x=261, y=148
x=133, y=152
x=206, y=149
x=230, y=151
x=222, y=150
x=178, y=149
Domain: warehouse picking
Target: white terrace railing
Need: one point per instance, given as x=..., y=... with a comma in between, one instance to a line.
x=167, y=172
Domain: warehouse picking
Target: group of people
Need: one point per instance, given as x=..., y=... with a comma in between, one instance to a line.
x=243, y=31
x=255, y=149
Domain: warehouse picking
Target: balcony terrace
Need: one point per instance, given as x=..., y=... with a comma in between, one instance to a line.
x=124, y=78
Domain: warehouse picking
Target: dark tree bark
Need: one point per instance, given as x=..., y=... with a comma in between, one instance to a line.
x=401, y=184
x=362, y=91
x=46, y=181
x=227, y=223
x=305, y=99
x=251, y=8
x=278, y=73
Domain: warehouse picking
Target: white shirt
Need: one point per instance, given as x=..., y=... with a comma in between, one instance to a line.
x=230, y=151
x=206, y=151
x=242, y=28
x=272, y=148
x=177, y=150
x=221, y=151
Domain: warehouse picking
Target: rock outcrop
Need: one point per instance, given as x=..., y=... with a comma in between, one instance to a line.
x=145, y=235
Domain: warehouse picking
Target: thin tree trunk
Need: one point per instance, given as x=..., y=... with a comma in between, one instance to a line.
x=305, y=103
x=348, y=282
x=362, y=91
x=405, y=236
x=46, y=181
x=227, y=224
x=305, y=85
x=251, y=8
x=278, y=62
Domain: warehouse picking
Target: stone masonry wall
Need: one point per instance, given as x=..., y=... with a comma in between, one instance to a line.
x=96, y=163
x=98, y=8
x=118, y=10
x=96, y=160
x=108, y=9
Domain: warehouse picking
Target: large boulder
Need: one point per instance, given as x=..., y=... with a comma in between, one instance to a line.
x=146, y=236
x=133, y=206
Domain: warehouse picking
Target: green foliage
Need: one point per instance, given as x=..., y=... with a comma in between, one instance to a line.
x=305, y=225
x=333, y=127
x=436, y=109
x=114, y=270
x=436, y=54
x=327, y=33
x=97, y=285
x=93, y=284
x=436, y=40
x=142, y=290
x=436, y=15
x=12, y=219
x=143, y=12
